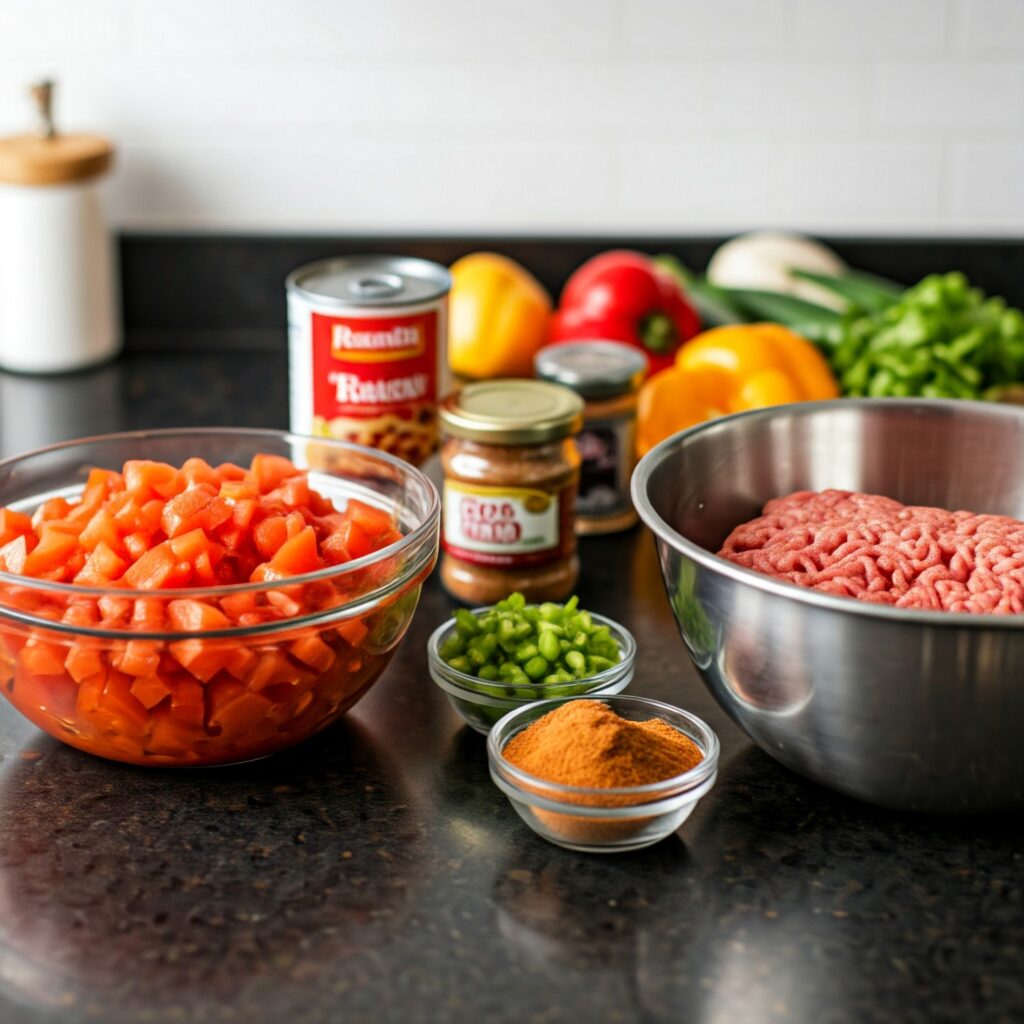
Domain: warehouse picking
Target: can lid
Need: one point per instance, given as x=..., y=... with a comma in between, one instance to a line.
x=593, y=369
x=352, y=281
x=511, y=411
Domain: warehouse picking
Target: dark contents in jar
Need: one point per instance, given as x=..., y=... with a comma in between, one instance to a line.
x=607, y=375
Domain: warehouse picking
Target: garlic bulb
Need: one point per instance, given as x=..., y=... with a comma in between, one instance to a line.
x=764, y=259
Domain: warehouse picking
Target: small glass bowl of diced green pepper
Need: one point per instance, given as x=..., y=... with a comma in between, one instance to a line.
x=492, y=660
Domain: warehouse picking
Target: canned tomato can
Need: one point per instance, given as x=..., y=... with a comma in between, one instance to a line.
x=367, y=351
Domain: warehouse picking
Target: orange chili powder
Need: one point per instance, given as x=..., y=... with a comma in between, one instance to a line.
x=584, y=743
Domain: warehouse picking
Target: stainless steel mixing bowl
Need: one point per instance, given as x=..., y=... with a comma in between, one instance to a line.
x=907, y=709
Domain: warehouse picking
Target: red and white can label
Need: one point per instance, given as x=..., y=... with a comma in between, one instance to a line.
x=374, y=380
x=365, y=368
x=503, y=526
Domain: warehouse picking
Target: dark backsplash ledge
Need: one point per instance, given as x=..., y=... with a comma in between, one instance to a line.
x=217, y=292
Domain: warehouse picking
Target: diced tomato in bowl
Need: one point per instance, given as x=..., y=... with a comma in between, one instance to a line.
x=204, y=597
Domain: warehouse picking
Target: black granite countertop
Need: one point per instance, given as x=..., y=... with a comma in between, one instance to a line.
x=375, y=874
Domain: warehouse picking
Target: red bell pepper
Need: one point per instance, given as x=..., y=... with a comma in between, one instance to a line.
x=625, y=296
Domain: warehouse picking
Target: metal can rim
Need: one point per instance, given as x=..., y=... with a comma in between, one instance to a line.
x=433, y=273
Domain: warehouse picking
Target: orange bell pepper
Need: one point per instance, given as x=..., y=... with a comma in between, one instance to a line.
x=731, y=369
x=498, y=317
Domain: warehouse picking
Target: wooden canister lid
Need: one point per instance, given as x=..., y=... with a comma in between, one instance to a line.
x=32, y=160
x=48, y=157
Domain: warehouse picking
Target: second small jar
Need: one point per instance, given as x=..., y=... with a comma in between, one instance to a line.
x=511, y=471
x=607, y=374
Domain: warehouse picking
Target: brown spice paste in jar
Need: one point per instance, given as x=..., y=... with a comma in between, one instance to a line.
x=511, y=473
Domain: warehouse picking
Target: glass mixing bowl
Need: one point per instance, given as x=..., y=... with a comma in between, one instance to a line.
x=122, y=689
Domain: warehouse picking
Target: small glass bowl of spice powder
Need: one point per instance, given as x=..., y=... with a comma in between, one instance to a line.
x=603, y=776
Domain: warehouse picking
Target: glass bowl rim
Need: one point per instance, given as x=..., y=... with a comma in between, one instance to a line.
x=674, y=788
x=463, y=681
x=412, y=540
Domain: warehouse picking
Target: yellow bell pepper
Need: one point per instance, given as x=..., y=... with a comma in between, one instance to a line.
x=498, y=317
x=731, y=369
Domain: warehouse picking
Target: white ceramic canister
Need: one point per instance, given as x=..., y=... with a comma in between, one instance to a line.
x=58, y=289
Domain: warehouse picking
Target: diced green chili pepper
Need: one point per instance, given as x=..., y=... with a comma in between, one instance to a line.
x=547, y=643
x=467, y=622
x=536, y=667
x=577, y=661
x=452, y=647
x=521, y=645
x=526, y=651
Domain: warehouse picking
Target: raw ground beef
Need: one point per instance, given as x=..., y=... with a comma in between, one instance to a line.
x=879, y=550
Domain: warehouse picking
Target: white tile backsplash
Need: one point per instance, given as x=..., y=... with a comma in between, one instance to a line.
x=995, y=25
x=988, y=185
x=711, y=27
x=656, y=99
x=867, y=27
x=848, y=187
x=938, y=95
x=802, y=99
x=392, y=30
x=366, y=185
x=516, y=116
x=685, y=188
x=54, y=30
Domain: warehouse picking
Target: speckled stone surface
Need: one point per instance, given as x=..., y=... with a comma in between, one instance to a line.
x=375, y=874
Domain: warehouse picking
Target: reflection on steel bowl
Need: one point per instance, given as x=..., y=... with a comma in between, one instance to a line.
x=903, y=708
x=763, y=679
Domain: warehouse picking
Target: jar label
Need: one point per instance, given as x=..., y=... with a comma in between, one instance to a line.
x=503, y=526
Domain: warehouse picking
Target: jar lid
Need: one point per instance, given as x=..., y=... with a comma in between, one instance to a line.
x=512, y=412
x=593, y=369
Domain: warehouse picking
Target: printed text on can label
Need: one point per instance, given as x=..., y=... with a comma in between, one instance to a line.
x=364, y=368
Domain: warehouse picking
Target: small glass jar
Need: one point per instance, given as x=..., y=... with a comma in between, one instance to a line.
x=511, y=472
x=607, y=375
